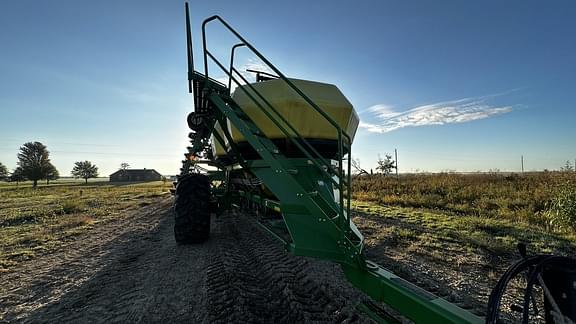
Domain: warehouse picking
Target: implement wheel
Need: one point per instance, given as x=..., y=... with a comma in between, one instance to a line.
x=192, y=209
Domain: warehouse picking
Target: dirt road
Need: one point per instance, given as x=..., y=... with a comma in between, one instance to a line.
x=131, y=270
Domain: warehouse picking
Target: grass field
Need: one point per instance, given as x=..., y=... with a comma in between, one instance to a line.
x=37, y=221
x=488, y=211
x=491, y=212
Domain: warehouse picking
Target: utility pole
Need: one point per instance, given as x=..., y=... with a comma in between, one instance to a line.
x=396, y=160
x=522, y=162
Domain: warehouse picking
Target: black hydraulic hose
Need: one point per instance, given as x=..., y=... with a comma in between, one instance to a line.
x=498, y=291
x=531, y=279
x=534, y=276
x=537, y=263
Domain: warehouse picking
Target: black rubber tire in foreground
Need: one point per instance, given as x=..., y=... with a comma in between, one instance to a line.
x=192, y=209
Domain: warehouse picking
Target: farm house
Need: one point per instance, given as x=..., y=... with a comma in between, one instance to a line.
x=131, y=175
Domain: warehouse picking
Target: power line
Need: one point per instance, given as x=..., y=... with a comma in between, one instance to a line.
x=116, y=153
x=4, y=141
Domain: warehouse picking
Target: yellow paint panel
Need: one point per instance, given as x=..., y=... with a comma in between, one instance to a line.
x=297, y=112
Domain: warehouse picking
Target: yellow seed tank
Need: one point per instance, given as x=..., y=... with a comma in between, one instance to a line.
x=296, y=110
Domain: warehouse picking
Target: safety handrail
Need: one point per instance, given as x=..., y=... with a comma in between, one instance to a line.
x=341, y=134
x=310, y=102
x=260, y=56
x=232, y=52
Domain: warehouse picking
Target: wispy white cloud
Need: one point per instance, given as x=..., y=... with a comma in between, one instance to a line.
x=441, y=113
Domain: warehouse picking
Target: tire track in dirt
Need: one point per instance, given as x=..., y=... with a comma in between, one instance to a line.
x=47, y=278
x=131, y=270
x=252, y=279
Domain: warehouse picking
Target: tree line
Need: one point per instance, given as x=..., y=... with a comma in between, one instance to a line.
x=34, y=164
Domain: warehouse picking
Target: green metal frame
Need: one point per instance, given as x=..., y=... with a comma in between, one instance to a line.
x=313, y=193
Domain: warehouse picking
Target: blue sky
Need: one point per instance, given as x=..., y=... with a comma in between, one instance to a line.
x=453, y=85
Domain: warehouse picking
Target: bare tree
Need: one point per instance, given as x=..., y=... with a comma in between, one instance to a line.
x=124, y=166
x=356, y=166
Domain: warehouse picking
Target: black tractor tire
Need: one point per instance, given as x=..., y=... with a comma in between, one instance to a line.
x=192, y=209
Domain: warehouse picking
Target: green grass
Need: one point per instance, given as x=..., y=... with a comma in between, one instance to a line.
x=36, y=221
x=430, y=230
x=528, y=199
x=490, y=212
